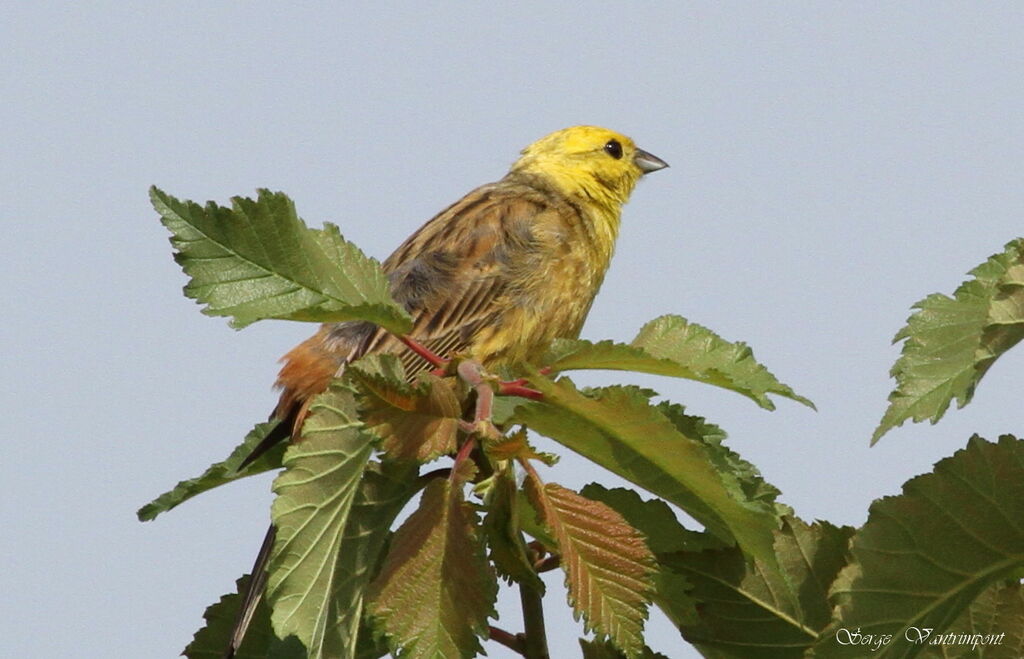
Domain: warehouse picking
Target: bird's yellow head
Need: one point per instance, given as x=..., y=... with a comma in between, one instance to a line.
x=589, y=162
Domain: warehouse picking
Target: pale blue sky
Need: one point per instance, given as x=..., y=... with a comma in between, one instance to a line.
x=832, y=163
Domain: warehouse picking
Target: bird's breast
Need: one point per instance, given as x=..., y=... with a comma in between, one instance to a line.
x=552, y=296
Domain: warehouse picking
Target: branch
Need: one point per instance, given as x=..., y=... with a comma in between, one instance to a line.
x=547, y=564
x=514, y=389
x=511, y=641
x=535, y=638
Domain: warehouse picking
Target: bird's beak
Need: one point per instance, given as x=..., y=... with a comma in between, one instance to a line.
x=648, y=162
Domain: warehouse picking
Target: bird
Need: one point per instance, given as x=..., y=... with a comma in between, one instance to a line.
x=495, y=277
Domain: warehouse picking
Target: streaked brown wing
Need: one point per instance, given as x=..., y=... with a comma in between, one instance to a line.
x=453, y=274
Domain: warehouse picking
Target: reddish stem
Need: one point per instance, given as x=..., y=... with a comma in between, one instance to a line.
x=530, y=471
x=516, y=389
x=513, y=642
x=547, y=564
x=519, y=388
x=461, y=456
x=423, y=351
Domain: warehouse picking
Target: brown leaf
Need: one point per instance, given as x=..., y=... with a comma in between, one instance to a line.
x=415, y=423
x=609, y=569
x=436, y=589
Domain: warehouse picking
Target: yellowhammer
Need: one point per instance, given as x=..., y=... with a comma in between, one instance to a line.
x=495, y=276
x=498, y=274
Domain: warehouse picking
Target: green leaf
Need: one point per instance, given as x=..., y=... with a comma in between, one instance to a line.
x=950, y=343
x=746, y=609
x=502, y=528
x=672, y=346
x=502, y=410
x=315, y=494
x=258, y=260
x=992, y=627
x=260, y=642
x=608, y=568
x=219, y=473
x=516, y=446
x=618, y=428
x=529, y=525
x=924, y=555
x=736, y=473
x=665, y=535
x=436, y=590
x=654, y=518
x=417, y=423
x=672, y=594
x=383, y=492
x=605, y=650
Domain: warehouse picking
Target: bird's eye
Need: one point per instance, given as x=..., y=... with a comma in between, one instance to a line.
x=613, y=149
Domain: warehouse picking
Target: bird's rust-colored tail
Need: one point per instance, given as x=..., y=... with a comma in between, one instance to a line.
x=308, y=369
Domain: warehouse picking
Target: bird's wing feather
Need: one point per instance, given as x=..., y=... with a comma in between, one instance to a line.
x=453, y=274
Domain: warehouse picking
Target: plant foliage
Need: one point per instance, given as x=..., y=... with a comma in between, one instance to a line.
x=346, y=578
x=951, y=342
